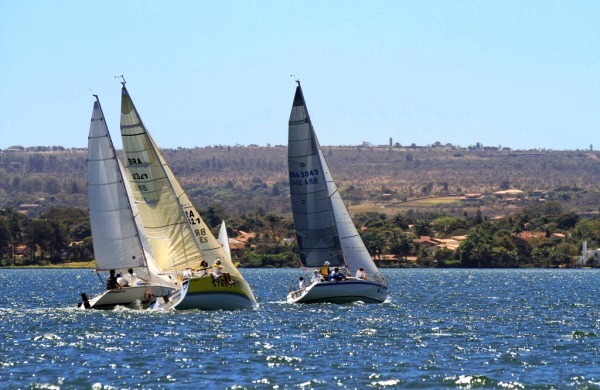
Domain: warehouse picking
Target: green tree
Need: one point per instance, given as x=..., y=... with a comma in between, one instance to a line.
x=6, y=238
x=374, y=241
x=400, y=244
x=39, y=235
x=447, y=224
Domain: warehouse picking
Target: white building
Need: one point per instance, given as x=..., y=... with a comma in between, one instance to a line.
x=589, y=256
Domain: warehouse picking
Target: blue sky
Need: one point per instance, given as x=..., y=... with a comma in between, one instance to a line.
x=522, y=74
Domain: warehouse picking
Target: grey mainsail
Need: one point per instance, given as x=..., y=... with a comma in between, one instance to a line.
x=324, y=229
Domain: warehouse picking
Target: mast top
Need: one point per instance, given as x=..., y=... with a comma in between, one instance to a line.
x=121, y=79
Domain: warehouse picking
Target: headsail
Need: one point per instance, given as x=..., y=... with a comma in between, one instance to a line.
x=223, y=239
x=324, y=229
x=178, y=235
x=114, y=232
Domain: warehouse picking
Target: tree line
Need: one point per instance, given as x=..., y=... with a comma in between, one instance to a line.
x=62, y=235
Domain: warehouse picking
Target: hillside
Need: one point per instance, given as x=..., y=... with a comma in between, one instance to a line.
x=245, y=179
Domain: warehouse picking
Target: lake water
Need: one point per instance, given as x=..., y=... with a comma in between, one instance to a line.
x=443, y=329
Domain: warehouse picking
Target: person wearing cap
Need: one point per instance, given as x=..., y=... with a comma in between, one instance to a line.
x=316, y=278
x=217, y=272
x=325, y=272
x=361, y=274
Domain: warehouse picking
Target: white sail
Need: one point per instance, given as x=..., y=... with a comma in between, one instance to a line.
x=223, y=239
x=114, y=231
x=324, y=229
x=177, y=234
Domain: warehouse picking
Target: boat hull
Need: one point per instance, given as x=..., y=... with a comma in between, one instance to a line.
x=134, y=297
x=346, y=291
x=205, y=293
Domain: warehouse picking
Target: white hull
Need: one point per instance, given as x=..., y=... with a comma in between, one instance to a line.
x=170, y=301
x=134, y=297
x=350, y=290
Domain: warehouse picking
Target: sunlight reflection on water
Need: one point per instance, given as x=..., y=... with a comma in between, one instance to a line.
x=440, y=328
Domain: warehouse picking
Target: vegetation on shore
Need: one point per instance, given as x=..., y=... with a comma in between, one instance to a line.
x=396, y=195
x=62, y=237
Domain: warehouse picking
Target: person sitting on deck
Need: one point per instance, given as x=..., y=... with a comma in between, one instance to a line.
x=316, y=278
x=203, y=270
x=337, y=275
x=361, y=274
x=121, y=281
x=217, y=272
x=325, y=270
x=131, y=278
x=111, y=281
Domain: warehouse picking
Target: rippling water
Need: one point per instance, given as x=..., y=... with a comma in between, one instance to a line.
x=440, y=329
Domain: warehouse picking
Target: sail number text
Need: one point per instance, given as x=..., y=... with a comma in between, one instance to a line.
x=304, y=178
x=193, y=220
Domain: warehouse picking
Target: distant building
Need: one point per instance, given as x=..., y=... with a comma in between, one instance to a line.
x=26, y=208
x=451, y=243
x=509, y=194
x=473, y=197
x=589, y=257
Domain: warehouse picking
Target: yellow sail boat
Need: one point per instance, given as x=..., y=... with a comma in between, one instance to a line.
x=179, y=238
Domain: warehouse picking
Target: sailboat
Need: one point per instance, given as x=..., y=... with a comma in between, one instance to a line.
x=177, y=234
x=118, y=238
x=324, y=230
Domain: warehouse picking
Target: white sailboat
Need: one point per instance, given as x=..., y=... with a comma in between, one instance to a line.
x=178, y=236
x=117, y=235
x=324, y=230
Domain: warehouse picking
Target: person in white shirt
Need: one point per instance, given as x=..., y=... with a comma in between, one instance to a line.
x=203, y=270
x=131, y=278
x=301, y=284
x=361, y=274
x=121, y=280
x=217, y=272
x=187, y=274
x=316, y=278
